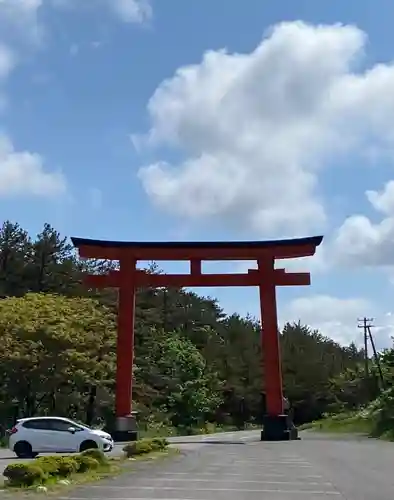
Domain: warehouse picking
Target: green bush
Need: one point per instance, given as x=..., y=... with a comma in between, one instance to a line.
x=159, y=443
x=86, y=463
x=49, y=465
x=97, y=455
x=139, y=449
x=145, y=446
x=57, y=466
x=42, y=468
x=24, y=475
x=381, y=414
x=376, y=420
x=67, y=466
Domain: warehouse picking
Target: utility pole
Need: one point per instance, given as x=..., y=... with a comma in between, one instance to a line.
x=365, y=324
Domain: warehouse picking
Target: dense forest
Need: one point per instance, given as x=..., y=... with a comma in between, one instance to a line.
x=195, y=366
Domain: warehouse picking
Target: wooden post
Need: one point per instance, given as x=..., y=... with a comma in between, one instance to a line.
x=270, y=338
x=125, y=422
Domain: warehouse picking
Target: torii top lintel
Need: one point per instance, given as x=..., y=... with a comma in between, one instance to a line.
x=215, y=250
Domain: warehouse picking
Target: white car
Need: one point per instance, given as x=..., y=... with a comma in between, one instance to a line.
x=31, y=436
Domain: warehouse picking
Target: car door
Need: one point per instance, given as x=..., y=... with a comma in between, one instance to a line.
x=39, y=434
x=63, y=440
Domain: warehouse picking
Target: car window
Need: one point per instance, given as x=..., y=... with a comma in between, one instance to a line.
x=61, y=425
x=39, y=424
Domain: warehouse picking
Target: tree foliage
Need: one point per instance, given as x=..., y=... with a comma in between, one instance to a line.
x=53, y=349
x=188, y=391
x=367, y=396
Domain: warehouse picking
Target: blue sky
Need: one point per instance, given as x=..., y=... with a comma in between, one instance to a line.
x=172, y=120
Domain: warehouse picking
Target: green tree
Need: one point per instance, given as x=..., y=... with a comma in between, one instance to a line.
x=53, y=350
x=310, y=361
x=15, y=252
x=240, y=365
x=186, y=389
x=53, y=266
x=352, y=389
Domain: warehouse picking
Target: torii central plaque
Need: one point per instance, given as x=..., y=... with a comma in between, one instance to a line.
x=266, y=277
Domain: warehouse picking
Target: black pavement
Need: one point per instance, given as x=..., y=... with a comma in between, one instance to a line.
x=238, y=466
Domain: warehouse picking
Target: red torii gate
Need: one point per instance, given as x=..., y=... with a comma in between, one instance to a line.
x=128, y=278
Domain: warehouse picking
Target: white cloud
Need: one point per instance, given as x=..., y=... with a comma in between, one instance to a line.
x=19, y=20
x=7, y=64
x=132, y=11
x=22, y=172
x=337, y=318
x=128, y=11
x=360, y=241
x=7, y=61
x=257, y=128
x=383, y=201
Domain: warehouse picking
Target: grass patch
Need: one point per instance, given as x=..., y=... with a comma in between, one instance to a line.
x=303, y=427
x=54, y=472
x=344, y=423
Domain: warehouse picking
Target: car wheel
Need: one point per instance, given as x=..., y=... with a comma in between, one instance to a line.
x=88, y=445
x=23, y=449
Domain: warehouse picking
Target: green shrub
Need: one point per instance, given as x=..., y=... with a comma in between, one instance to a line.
x=97, y=455
x=50, y=465
x=144, y=446
x=57, y=466
x=38, y=472
x=24, y=475
x=159, y=443
x=67, y=466
x=129, y=449
x=209, y=428
x=381, y=414
x=137, y=448
x=86, y=463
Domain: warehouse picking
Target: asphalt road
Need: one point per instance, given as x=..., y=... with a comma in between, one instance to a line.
x=237, y=466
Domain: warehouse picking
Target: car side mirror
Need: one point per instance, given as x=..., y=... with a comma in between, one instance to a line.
x=73, y=430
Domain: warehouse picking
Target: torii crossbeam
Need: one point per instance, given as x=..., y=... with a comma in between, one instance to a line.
x=128, y=278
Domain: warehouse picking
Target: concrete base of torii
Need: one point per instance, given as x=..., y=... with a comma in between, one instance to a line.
x=126, y=429
x=278, y=428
